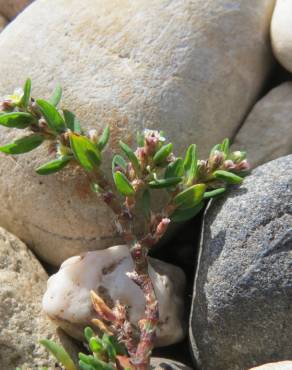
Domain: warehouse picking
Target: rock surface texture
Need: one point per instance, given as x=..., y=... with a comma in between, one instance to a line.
x=10, y=8
x=281, y=33
x=267, y=132
x=242, y=315
x=105, y=272
x=22, y=322
x=192, y=59
x=283, y=365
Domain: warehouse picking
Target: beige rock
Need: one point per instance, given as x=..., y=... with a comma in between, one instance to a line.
x=3, y=22
x=281, y=33
x=284, y=365
x=10, y=8
x=192, y=68
x=267, y=132
x=67, y=299
x=22, y=322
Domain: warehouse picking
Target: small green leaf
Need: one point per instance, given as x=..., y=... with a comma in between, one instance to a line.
x=191, y=163
x=84, y=366
x=60, y=354
x=146, y=203
x=19, y=120
x=52, y=116
x=174, y=169
x=85, y=152
x=93, y=363
x=56, y=97
x=122, y=184
x=214, y=193
x=190, y=197
x=225, y=146
x=103, y=140
x=109, y=347
x=131, y=156
x=164, y=183
x=23, y=145
x=95, y=344
x=182, y=215
x=53, y=166
x=118, y=161
x=88, y=333
x=229, y=177
x=26, y=93
x=140, y=139
x=162, y=153
x=72, y=122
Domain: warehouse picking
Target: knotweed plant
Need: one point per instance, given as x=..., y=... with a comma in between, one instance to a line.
x=188, y=183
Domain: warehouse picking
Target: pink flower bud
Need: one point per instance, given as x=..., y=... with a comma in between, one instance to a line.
x=162, y=226
x=243, y=166
x=228, y=165
x=93, y=136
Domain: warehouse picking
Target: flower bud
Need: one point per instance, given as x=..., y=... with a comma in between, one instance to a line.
x=228, y=165
x=93, y=135
x=216, y=160
x=238, y=156
x=162, y=226
x=243, y=166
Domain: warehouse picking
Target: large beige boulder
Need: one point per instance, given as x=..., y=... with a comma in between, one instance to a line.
x=192, y=68
x=281, y=33
x=267, y=132
x=67, y=299
x=283, y=365
x=10, y=8
x=22, y=321
x=3, y=22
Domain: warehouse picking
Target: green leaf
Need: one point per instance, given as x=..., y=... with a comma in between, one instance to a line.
x=23, y=145
x=53, y=166
x=131, y=156
x=118, y=161
x=190, y=197
x=191, y=163
x=162, y=153
x=103, y=140
x=85, y=152
x=225, y=146
x=164, y=183
x=146, y=203
x=93, y=362
x=228, y=177
x=174, y=169
x=88, y=333
x=56, y=97
x=19, y=120
x=26, y=93
x=122, y=184
x=60, y=354
x=109, y=347
x=95, y=345
x=140, y=139
x=214, y=193
x=52, y=116
x=84, y=366
x=182, y=215
x=72, y=122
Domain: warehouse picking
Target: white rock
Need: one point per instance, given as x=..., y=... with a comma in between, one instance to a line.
x=283, y=365
x=67, y=299
x=192, y=68
x=10, y=8
x=267, y=132
x=281, y=33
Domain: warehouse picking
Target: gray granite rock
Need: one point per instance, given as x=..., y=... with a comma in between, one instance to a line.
x=241, y=312
x=22, y=322
x=192, y=68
